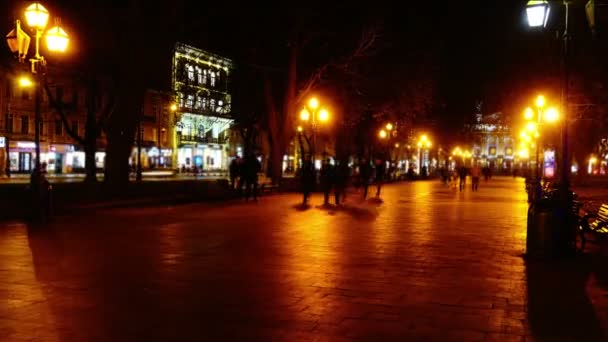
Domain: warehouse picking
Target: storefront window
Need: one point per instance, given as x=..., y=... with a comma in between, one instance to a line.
x=14, y=161
x=100, y=160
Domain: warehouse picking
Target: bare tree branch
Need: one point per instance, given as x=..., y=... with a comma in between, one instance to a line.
x=367, y=41
x=57, y=105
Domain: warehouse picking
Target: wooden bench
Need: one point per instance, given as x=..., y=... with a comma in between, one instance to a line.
x=598, y=226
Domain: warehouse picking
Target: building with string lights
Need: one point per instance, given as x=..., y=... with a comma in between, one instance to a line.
x=200, y=82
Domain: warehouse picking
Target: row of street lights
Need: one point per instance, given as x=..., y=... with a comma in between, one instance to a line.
x=535, y=120
x=423, y=142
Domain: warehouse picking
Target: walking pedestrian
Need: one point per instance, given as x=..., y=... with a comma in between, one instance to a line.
x=308, y=180
x=380, y=175
x=462, y=175
x=365, y=171
x=234, y=172
x=475, y=173
x=342, y=174
x=251, y=169
x=327, y=178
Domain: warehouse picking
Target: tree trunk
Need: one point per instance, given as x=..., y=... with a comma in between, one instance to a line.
x=120, y=134
x=90, y=133
x=89, y=162
x=277, y=151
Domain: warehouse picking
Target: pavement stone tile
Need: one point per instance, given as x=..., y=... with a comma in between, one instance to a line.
x=426, y=264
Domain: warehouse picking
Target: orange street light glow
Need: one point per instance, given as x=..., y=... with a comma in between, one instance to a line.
x=25, y=82
x=551, y=115
x=528, y=113
x=313, y=103
x=323, y=115
x=382, y=134
x=389, y=126
x=304, y=115
x=540, y=101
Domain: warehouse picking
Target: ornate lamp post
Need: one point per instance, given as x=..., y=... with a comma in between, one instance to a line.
x=532, y=129
x=313, y=113
x=423, y=142
x=537, y=12
x=18, y=41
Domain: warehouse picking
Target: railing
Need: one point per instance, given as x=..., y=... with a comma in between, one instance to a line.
x=184, y=139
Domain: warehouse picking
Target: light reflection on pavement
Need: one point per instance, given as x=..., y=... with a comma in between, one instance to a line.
x=427, y=262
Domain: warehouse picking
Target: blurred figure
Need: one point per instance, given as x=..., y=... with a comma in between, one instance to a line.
x=308, y=180
x=462, y=175
x=251, y=169
x=342, y=176
x=380, y=175
x=365, y=172
x=327, y=179
x=234, y=171
x=475, y=173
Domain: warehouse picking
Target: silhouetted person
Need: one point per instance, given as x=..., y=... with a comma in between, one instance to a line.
x=380, y=175
x=327, y=178
x=462, y=175
x=234, y=172
x=486, y=173
x=308, y=180
x=365, y=172
x=424, y=172
x=342, y=174
x=251, y=168
x=475, y=173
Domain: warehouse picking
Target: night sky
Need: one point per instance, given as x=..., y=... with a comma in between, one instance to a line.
x=481, y=50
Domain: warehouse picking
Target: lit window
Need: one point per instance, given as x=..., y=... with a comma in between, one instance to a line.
x=199, y=101
x=199, y=74
x=212, y=105
x=204, y=76
x=213, y=79
x=190, y=102
x=204, y=103
x=190, y=72
x=181, y=100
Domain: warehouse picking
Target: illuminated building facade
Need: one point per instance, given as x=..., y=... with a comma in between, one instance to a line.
x=492, y=142
x=200, y=82
x=61, y=153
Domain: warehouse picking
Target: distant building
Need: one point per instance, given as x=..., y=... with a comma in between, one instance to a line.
x=490, y=136
x=58, y=150
x=200, y=81
x=157, y=132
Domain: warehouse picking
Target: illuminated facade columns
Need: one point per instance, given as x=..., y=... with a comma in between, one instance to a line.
x=201, y=81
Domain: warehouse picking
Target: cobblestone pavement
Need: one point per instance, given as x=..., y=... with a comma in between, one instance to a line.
x=429, y=263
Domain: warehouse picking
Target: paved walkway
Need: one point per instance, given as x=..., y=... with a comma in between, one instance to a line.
x=429, y=263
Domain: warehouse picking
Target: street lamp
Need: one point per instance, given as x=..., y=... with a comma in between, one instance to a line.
x=423, y=142
x=532, y=128
x=312, y=112
x=538, y=12
x=57, y=39
x=382, y=134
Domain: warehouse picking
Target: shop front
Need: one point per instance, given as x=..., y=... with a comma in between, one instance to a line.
x=159, y=158
x=152, y=158
x=207, y=157
x=21, y=156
